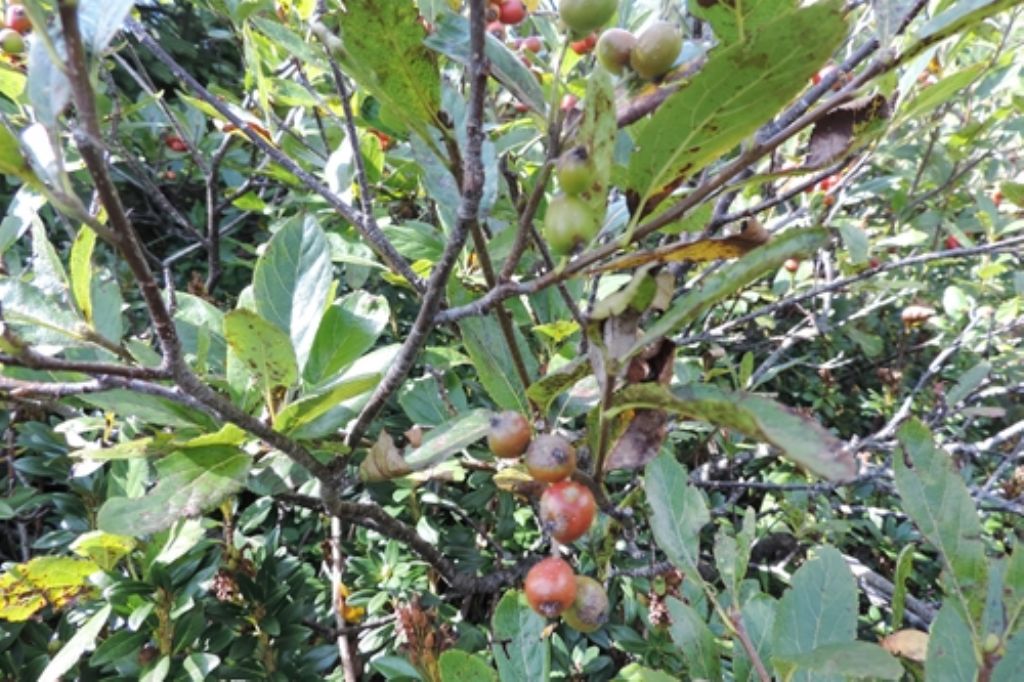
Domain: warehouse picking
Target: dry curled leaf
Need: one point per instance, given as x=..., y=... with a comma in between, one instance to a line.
x=384, y=461
x=909, y=644
x=834, y=133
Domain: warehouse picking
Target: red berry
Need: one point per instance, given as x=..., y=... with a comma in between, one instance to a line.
x=496, y=29
x=533, y=44
x=550, y=587
x=791, y=265
x=584, y=45
x=569, y=102
x=997, y=198
x=17, y=18
x=952, y=242
x=567, y=509
x=511, y=12
x=175, y=143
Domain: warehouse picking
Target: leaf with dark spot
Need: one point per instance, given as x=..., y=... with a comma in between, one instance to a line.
x=834, y=133
x=641, y=441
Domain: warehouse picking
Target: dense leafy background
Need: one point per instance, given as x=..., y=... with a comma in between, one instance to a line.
x=844, y=459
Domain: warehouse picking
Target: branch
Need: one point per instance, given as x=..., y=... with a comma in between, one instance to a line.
x=1011, y=245
x=88, y=137
x=469, y=208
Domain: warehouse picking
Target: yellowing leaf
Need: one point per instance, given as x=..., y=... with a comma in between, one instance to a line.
x=43, y=581
x=106, y=549
x=752, y=236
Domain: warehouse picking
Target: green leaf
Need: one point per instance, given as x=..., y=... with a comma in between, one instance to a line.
x=1008, y=669
x=904, y=566
x=803, y=440
x=309, y=408
x=36, y=317
x=12, y=160
x=262, y=347
x=558, y=381
x=148, y=409
x=12, y=85
x=693, y=637
x=845, y=661
x=292, y=282
x=967, y=382
x=451, y=38
x=80, y=265
x=730, y=278
x=486, y=347
x=936, y=498
x=200, y=328
x=384, y=52
x=100, y=20
x=740, y=88
x=280, y=35
x=941, y=92
x=758, y=616
x=82, y=641
x=457, y=666
x=678, y=512
x=732, y=554
x=960, y=15
x=634, y=672
x=819, y=608
x=348, y=329
x=598, y=132
x=49, y=89
x=951, y=656
x=188, y=483
x=453, y=437
x=521, y=651
x=123, y=644
x=737, y=21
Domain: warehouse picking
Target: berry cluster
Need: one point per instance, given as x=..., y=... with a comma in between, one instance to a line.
x=16, y=25
x=567, y=509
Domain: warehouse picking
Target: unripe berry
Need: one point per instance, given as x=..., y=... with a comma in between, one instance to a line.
x=589, y=609
x=509, y=434
x=583, y=16
x=656, y=50
x=614, y=48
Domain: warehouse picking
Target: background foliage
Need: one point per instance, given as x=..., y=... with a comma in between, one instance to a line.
x=267, y=269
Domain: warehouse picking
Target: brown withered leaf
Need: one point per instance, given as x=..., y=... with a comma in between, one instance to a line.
x=518, y=481
x=752, y=235
x=834, y=133
x=641, y=441
x=384, y=461
x=909, y=644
